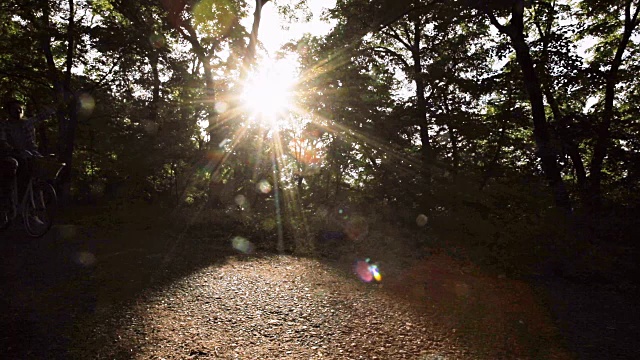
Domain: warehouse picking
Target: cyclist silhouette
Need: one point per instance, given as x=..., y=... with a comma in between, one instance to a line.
x=18, y=147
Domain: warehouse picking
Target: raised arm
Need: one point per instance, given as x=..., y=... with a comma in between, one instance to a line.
x=32, y=121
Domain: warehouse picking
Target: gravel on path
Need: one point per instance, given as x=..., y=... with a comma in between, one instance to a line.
x=275, y=307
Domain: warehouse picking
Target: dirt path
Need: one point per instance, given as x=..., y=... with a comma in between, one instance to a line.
x=150, y=294
x=274, y=308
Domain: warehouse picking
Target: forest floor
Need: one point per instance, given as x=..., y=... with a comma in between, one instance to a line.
x=108, y=287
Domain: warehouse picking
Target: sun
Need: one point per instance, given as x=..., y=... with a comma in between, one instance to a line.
x=268, y=94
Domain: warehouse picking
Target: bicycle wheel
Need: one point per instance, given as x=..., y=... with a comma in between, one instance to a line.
x=40, y=208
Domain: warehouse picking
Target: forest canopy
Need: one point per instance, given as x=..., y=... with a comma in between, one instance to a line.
x=498, y=121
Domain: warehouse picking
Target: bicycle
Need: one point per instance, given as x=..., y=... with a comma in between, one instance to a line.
x=39, y=201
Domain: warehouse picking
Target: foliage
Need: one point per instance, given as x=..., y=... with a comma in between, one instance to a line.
x=486, y=119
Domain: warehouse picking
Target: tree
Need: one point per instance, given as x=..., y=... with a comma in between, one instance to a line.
x=606, y=24
x=515, y=30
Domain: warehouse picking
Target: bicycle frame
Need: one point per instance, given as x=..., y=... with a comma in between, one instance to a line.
x=38, y=203
x=18, y=207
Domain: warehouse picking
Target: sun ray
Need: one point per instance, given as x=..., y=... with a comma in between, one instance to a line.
x=267, y=107
x=363, y=139
x=216, y=166
x=325, y=65
x=225, y=117
x=276, y=157
x=258, y=158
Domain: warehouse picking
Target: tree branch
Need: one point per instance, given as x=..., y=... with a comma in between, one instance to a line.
x=494, y=21
x=397, y=37
x=70, y=43
x=396, y=55
x=21, y=75
x=104, y=77
x=541, y=32
x=634, y=20
x=406, y=31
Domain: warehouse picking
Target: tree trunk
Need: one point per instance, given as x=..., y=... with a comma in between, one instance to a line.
x=69, y=136
x=569, y=145
x=250, y=55
x=453, y=139
x=204, y=58
x=604, y=128
x=64, y=95
x=421, y=101
x=490, y=167
x=155, y=101
x=545, y=151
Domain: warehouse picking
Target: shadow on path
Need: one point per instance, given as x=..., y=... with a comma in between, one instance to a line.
x=54, y=288
x=597, y=321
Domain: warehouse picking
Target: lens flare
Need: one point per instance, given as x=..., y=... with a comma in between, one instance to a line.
x=215, y=155
x=67, y=231
x=157, y=41
x=224, y=144
x=85, y=258
x=241, y=200
x=356, y=228
x=221, y=107
x=264, y=187
x=241, y=244
x=362, y=270
x=422, y=220
x=367, y=271
x=87, y=104
x=375, y=272
x=150, y=127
